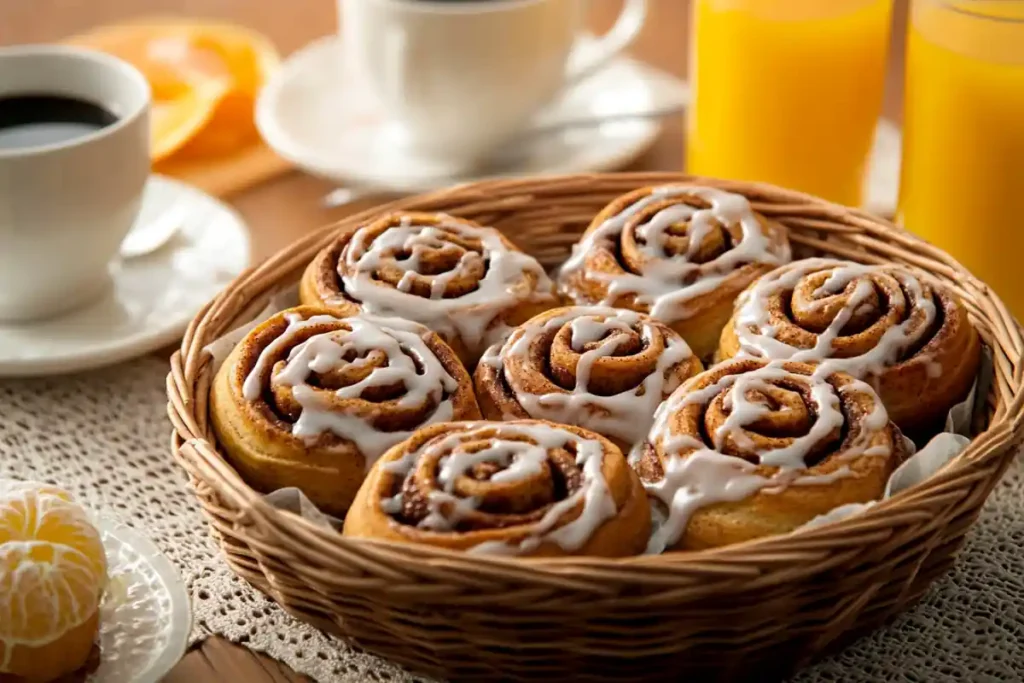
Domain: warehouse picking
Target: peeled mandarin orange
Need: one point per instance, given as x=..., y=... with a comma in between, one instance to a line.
x=53, y=572
x=204, y=75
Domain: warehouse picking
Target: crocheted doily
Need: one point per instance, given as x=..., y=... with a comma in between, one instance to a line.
x=104, y=436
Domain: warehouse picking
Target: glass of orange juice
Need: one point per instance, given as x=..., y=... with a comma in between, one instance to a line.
x=962, y=185
x=788, y=91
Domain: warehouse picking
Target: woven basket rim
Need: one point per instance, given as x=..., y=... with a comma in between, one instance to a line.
x=986, y=450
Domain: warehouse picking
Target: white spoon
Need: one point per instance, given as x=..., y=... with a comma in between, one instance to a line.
x=343, y=196
x=149, y=236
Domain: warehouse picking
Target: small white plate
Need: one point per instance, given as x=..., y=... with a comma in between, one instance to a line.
x=146, y=614
x=318, y=115
x=152, y=299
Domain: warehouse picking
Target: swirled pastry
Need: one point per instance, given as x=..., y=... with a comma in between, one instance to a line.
x=604, y=369
x=526, y=487
x=681, y=253
x=749, y=449
x=309, y=399
x=466, y=282
x=909, y=338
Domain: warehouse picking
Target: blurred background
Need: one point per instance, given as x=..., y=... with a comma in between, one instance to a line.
x=290, y=203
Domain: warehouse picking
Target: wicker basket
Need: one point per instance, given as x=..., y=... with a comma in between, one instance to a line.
x=754, y=611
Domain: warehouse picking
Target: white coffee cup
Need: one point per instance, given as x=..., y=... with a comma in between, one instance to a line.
x=66, y=207
x=461, y=77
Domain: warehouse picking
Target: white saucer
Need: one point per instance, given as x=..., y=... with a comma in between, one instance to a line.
x=152, y=299
x=316, y=113
x=146, y=614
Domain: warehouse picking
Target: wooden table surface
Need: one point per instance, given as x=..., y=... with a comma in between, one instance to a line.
x=286, y=208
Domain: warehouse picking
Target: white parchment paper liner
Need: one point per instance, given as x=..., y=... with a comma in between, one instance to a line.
x=931, y=458
x=934, y=455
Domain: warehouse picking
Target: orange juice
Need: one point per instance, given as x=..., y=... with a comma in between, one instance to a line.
x=788, y=91
x=963, y=158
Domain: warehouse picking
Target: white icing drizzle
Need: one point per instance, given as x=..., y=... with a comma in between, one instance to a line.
x=660, y=285
x=587, y=330
x=470, y=316
x=446, y=510
x=522, y=460
x=392, y=505
x=491, y=356
x=696, y=475
x=626, y=416
x=878, y=418
x=703, y=477
x=252, y=387
x=424, y=380
x=758, y=337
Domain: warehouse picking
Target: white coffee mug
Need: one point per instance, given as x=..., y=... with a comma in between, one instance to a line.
x=461, y=77
x=66, y=207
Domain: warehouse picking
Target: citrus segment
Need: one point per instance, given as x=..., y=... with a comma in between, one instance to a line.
x=52, y=575
x=176, y=121
x=205, y=77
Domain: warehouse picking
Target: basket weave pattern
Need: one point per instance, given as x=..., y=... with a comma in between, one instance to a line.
x=748, y=612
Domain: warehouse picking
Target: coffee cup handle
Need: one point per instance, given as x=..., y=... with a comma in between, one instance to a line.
x=611, y=44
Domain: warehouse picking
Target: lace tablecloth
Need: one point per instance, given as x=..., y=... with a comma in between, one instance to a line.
x=104, y=436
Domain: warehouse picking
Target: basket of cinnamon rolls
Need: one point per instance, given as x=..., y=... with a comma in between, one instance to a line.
x=601, y=427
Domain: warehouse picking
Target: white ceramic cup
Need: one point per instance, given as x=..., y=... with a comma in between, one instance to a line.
x=66, y=207
x=461, y=77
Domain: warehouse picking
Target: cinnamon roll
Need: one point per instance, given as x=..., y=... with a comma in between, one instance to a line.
x=311, y=400
x=604, y=369
x=466, y=282
x=681, y=253
x=909, y=338
x=526, y=487
x=752, y=448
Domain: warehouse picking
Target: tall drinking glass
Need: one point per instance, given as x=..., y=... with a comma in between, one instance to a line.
x=962, y=185
x=788, y=91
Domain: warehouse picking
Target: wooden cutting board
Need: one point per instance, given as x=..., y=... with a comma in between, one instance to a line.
x=227, y=175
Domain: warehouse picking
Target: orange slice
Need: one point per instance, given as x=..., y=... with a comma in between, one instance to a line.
x=52, y=575
x=205, y=78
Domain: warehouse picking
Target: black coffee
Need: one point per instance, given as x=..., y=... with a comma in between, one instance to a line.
x=35, y=120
